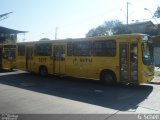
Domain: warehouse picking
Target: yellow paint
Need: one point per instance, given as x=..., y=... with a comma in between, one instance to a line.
x=85, y=66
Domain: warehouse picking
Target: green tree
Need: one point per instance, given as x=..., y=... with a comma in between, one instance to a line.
x=44, y=39
x=99, y=31
x=112, y=27
x=157, y=12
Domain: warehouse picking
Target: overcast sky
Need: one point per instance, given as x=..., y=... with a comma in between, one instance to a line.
x=72, y=17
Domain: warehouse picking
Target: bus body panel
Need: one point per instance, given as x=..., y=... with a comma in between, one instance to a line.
x=21, y=62
x=126, y=64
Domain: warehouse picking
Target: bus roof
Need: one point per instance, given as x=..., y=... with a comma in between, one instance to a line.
x=87, y=38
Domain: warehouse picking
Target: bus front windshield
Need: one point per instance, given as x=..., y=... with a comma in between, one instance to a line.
x=147, y=53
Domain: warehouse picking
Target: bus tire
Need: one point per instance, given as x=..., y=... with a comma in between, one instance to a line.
x=43, y=71
x=108, y=77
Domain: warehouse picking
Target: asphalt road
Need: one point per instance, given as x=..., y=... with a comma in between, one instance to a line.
x=25, y=93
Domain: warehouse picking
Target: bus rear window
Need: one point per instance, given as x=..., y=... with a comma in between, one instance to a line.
x=9, y=54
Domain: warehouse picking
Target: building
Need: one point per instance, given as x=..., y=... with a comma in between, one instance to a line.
x=156, y=42
x=7, y=36
x=143, y=27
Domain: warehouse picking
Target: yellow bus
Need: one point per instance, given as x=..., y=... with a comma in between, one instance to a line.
x=8, y=56
x=112, y=59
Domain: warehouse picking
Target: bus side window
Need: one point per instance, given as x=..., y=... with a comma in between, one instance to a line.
x=70, y=49
x=104, y=48
x=43, y=49
x=83, y=48
x=21, y=50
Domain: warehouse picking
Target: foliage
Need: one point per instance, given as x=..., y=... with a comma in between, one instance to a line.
x=157, y=12
x=112, y=27
x=44, y=39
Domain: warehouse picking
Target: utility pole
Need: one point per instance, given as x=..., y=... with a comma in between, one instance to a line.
x=56, y=33
x=127, y=12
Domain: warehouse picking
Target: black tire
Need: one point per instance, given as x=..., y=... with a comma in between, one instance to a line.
x=43, y=71
x=108, y=78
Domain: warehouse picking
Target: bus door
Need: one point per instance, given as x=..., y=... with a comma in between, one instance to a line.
x=128, y=62
x=59, y=59
x=29, y=57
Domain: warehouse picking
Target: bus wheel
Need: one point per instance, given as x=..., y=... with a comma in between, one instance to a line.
x=108, y=78
x=43, y=71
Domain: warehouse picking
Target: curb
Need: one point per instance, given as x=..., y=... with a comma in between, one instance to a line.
x=157, y=83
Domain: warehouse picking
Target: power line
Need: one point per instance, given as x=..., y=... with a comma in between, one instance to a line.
x=151, y=14
x=4, y=16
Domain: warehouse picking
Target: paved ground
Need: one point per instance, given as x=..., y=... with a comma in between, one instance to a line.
x=21, y=92
x=156, y=79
